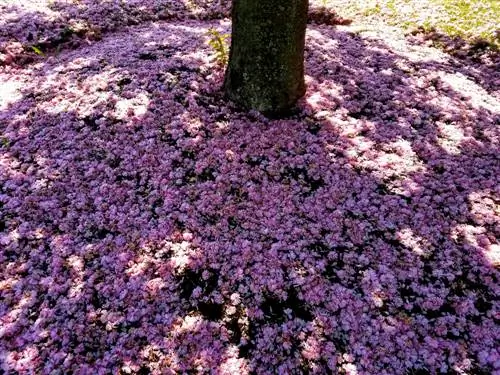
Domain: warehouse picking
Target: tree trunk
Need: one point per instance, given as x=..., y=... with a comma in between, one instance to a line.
x=266, y=60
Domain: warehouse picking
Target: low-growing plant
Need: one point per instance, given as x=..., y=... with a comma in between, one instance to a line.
x=4, y=141
x=219, y=43
x=37, y=50
x=372, y=10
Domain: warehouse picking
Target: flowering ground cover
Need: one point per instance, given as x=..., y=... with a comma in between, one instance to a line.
x=149, y=226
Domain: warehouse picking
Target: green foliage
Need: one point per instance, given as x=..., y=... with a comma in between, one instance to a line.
x=471, y=20
x=37, y=50
x=219, y=44
x=368, y=11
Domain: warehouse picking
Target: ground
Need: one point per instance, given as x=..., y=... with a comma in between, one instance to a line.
x=147, y=225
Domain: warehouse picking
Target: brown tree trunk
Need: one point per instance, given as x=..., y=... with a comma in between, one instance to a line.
x=266, y=60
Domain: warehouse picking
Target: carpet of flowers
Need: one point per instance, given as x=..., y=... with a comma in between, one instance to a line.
x=147, y=225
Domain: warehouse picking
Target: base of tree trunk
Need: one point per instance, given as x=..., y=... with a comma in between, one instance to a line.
x=266, y=61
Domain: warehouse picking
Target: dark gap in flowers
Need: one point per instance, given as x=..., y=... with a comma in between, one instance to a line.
x=188, y=154
x=91, y=122
x=356, y=115
x=147, y=56
x=182, y=68
x=97, y=154
x=439, y=169
x=158, y=203
x=128, y=325
x=382, y=189
x=234, y=327
x=250, y=336
x=305, y=367
x=189, y=176
x=314, y=128
x=166, y=137
x=124, y=81
x=477, y=370
x=232, y=222
x=144, y=370
x=275, y=309
x=238, y=192
x=181, y=99
x=331, y=270
x=301, y=175
x=446, y=309
x=208, y=174
x=95, y=299
x=210, y=219
x=387, y=237
x=419, y=371
x=469, y=281
x=256, y=160
x=211, y=310
x=190, y=279
x=341, y=340
x=483, y=305
x=221, y=116
x=325, y=368
x=99, y=233
x=319, y=247
x=211, y=102
x=124, y=177
x=115, y=162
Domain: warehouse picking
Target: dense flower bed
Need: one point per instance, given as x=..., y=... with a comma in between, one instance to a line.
x=53, y=24
x=147, y=225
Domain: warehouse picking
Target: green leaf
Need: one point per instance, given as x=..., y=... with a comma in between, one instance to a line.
x=37, y=50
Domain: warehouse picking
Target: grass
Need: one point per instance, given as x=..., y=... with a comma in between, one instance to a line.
x=471, y=20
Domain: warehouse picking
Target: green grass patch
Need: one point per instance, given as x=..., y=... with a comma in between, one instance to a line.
x=471, y=20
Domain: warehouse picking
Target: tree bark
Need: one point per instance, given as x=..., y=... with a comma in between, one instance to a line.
x=266, y=59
